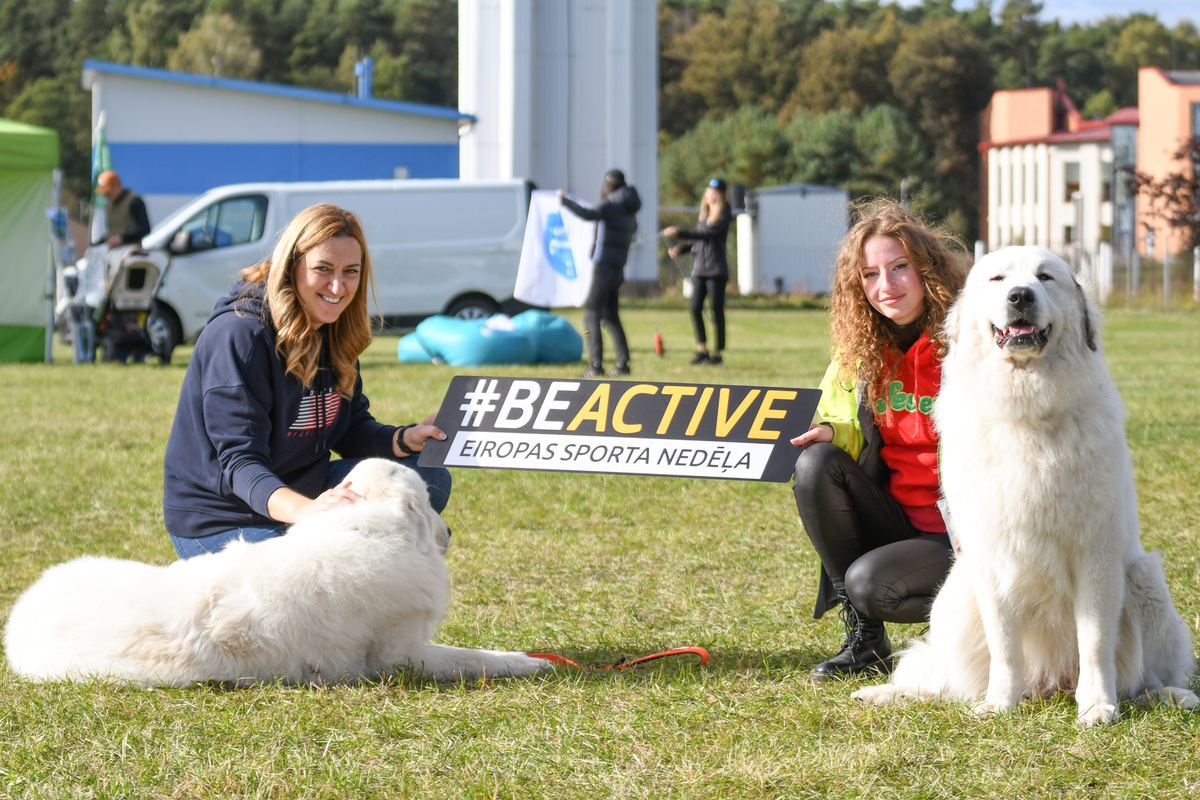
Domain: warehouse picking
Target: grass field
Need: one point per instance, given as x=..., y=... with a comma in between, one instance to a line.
x=593, y=567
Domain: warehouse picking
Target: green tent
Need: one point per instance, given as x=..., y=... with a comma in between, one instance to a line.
x=28, y=156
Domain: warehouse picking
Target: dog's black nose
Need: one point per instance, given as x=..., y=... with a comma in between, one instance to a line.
x=1020, y=297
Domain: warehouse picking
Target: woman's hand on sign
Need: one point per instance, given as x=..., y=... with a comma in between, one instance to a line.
x=560, y=193
x=671, y=231
x=819, y=432
x=416, y=435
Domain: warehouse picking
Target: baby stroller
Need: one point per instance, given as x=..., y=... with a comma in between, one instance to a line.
x=124, y=311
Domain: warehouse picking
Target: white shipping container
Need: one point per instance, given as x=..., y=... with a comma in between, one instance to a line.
x=789, y=238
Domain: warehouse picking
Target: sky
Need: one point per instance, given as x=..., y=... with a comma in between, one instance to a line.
x=1067, y=11
x=1169, y=11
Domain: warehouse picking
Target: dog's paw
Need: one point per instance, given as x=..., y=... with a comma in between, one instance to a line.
x=508, y=665
x=522, y=664
x=1183, y=698
x=876, y=695
x=1171, y=696
x=992, y=706
x=1098, y=714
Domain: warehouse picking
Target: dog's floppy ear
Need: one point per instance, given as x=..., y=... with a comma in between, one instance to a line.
x=1088, y=332
x=422, y=530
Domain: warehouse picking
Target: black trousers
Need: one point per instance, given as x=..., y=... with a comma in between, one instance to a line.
x=714, y=289
x=888, y=569
x=601, y=308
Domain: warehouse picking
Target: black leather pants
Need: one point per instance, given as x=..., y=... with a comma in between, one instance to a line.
x=888, y=569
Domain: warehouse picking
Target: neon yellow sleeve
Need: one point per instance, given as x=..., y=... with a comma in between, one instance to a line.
x=839, y=409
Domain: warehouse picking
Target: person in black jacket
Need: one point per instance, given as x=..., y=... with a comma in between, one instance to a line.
x=710, y=269
x=619, y=202
x=273, y=387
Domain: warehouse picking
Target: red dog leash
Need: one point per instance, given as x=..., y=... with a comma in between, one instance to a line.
x=558, y=660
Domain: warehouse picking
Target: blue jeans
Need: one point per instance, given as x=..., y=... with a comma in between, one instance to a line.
x=437, y=481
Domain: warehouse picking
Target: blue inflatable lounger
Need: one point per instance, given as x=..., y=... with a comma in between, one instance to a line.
x=531, y=337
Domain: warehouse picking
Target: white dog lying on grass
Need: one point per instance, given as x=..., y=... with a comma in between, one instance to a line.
x=355, y=591
x=1051, y=589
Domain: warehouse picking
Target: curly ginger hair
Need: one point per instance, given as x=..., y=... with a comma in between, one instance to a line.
x=864, y=344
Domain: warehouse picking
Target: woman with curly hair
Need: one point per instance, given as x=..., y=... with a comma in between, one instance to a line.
x=273, y=387
x=866, y=482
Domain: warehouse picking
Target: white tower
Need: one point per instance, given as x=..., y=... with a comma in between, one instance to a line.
x=563, y=91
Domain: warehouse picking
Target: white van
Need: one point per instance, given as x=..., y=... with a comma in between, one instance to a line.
x=437, y=246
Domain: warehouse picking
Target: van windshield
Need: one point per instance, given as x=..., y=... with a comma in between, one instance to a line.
x=235, y=220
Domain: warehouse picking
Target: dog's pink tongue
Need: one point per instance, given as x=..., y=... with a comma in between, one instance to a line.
x=1019, y=330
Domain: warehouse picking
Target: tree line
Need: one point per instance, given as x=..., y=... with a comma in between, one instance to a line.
x=310, y=43
x=851, y=93
x=862, y=94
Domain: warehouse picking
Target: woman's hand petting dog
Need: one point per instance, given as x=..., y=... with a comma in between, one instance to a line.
x=340, y=495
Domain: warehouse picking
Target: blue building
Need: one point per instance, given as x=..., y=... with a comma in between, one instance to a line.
x=174, y=135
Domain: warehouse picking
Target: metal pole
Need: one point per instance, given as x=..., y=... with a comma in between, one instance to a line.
x=1129, y=271
x=1166, y=272
x=1135, y=275
x=52, y=280
x=1077, y=248
x=1196, y=273
x=1149, y=253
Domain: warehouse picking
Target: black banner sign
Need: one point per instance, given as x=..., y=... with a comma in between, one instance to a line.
x=621, y=427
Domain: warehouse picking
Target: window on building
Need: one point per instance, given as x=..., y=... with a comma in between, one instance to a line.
x=1106, y=233
x=1068, y=232
x=1070, y=179
x=1106, y=190
x=1196, y=132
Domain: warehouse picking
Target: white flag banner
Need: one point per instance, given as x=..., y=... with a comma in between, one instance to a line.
x=556, y=263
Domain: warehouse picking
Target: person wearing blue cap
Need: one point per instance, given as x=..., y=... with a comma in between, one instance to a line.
x=710, y=269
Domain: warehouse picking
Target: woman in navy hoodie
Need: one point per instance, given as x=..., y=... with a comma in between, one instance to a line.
x=273, y=388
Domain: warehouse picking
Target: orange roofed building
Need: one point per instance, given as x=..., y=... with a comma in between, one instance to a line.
x=1049, y=175
x=1169, y=102
x=1052, y=178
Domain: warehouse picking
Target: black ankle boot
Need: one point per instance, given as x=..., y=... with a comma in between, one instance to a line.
x=866, y=649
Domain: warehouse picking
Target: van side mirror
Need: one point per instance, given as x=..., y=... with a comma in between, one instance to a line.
x=181, y=242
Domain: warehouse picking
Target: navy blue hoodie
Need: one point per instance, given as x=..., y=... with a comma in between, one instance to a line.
x=245, y=428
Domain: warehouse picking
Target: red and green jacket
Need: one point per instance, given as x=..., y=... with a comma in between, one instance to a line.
x=907, y=442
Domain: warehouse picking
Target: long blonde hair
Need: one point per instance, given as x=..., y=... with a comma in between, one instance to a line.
x=864, y=345
x=296, y=342
x=710, y=213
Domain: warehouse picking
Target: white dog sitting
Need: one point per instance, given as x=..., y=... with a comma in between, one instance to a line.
x=355, y=591
x=1050, y=589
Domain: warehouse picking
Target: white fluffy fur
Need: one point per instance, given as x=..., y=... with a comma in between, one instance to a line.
x=353, y=592
x=1051, y=589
